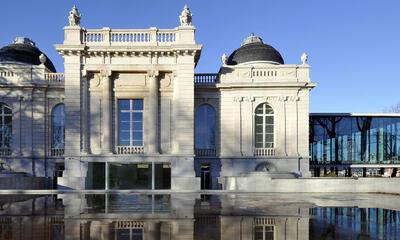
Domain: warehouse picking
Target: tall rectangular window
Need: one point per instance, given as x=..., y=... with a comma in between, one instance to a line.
x=130, y=115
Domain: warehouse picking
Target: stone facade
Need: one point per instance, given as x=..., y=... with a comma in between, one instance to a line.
x=31, y=92
x=157, y=66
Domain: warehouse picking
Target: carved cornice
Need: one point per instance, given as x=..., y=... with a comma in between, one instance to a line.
x=266, y=98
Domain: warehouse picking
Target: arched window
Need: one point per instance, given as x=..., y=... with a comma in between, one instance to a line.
x=57, y=130
x=264, y=126
x=5, y=128
x=205, y=127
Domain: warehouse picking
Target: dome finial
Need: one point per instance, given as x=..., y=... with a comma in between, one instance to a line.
x=24, y=40
x=252, y=39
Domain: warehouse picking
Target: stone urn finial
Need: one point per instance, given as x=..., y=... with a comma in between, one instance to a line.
x=42, y=58
x=304, y=58
x=74, y=17
x=186, y=16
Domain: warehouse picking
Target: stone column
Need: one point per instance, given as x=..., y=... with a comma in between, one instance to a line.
x=106, y=109
x=153, y=113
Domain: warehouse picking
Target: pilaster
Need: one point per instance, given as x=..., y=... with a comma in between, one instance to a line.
x=153, y=112
x=106, y=112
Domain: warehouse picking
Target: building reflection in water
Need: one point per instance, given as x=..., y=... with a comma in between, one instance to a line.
x=193, y=216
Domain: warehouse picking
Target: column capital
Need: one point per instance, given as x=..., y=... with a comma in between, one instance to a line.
x=153, y=73
x=105, y=73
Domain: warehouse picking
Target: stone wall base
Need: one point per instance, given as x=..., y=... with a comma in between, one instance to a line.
x=311, y=185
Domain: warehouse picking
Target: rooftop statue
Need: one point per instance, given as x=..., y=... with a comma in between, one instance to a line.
x=224, y=59
x=186, y=16
x=74, y=17
x=304, y=58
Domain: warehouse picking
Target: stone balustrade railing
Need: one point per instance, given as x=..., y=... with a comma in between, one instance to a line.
x=110, y=37
x=205, y=78
x=5, y=151
x=57, y=152
x=203, y=152
x=264, y=152
x=125, y=150
x=54, y=77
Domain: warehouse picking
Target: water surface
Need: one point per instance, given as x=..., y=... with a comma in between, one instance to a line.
x=195, y=216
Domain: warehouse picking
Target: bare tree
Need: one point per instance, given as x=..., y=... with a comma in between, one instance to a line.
x=395, y=108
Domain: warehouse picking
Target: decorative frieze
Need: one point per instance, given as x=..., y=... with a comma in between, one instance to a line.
x=266, y=98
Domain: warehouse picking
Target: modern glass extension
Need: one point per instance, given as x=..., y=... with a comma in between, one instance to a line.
x=356, y=140
x=365, y=139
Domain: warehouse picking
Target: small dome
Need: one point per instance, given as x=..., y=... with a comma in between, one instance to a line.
x=254, y=49
x=24, y=50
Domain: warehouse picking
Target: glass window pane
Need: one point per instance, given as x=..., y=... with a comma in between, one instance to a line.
x=137, y=126
x=123, y=104
x=124, y=116
x=137, y=116
x=138, y=135
x=124, y=125
x=137, y=104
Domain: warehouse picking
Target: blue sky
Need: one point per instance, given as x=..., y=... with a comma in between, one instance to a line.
x=353, y=46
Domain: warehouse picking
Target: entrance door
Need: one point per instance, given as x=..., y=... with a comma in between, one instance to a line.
x=205, y=176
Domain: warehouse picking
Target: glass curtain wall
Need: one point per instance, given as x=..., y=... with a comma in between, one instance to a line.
x=354, y=139
x=128, y=175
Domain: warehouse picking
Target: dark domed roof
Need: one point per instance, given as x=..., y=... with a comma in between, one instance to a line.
x=24, y=50
x=253, y=49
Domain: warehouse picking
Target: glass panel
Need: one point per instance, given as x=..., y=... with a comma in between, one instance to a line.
x=130, y=176
x=162, y=176
x=124, y=117
x=137, y=116
x=123, y=234
x=96, y=173
x=205, y=127
x=137, y=136
x=258, y=233
x=137, y=104
x=123, y=104
x=124, y=135
x=58, y=127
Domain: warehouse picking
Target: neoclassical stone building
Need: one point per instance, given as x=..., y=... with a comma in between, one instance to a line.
x=129, y=112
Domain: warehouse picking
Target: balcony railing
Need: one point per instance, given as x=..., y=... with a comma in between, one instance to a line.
x=264, y=152
x=54, y=77
x=57, y=152
x=202, y=152
x=5, y=151
x=125, y=150
x=117, y=37
x=205, y=78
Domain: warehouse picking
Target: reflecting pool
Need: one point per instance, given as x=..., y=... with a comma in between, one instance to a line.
x=195, y=216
